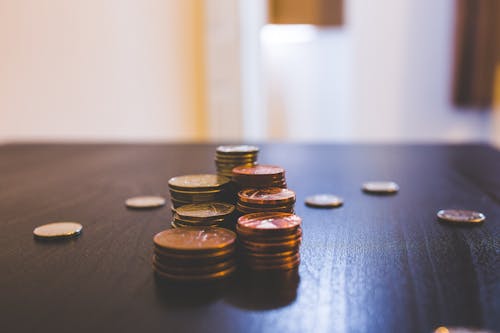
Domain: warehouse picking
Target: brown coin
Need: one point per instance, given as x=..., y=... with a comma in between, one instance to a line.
x=196, y=277
x=198, y=182
x=195, y=257
x=259, y=170
x=272, y=261
x=324, y=201
x=205, y=210
x=270, y=222
x=194, y=239
x=263, y=239
x=272, y=267
x=270, y=195
x=237, y=149
x=271, y=247
x=444, y=329
x=272, y=255
x=174, y=268
x=460, y=216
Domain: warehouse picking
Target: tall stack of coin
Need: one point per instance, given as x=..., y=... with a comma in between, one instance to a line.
x=270, y=199
x=229, y=157
x=217, y=214
x=194, y=254
x=259, y=176
x=270, y=241
x=197, y=189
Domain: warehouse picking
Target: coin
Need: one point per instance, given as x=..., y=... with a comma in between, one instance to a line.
x=460, y=216
x=269, y=196
x=198, y=182
x=270, y=222
x=205, y=210
x=196, y=277
x=194, y=239
x=259, y=170
x=381, y=187
x=443, y=329
x=271, y=247
x=171, y=267
x=266, y=238
x=196, y=258
x=324, y=200
x=58, y=230
x=237, y=149
x=145, y=202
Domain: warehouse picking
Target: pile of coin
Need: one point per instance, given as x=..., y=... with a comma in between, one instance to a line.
x=229, y=157
x=197, y=254
x=269, y=199
x=197, y=189
x=269, y=241
x=216, y=214
x=259, y=176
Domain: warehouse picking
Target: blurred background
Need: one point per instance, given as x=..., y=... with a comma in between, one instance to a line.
x=250, y=70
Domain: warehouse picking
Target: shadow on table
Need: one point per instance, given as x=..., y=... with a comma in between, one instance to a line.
x=263, y=291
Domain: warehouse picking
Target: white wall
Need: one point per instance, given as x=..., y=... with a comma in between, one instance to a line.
x=384, y=76
x=100, y=70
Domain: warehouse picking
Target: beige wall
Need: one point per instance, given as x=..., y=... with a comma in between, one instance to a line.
x=101, y=70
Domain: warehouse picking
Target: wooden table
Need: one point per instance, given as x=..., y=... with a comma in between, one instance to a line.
x=378, y=264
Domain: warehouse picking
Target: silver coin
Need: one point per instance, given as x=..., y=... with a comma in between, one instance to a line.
x=237, y=149
x=58, y=230
x=145, y=202
x=460, y=216
x=381, y=187
x=324, y=201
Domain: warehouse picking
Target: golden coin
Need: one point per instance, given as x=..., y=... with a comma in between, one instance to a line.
x=324, y=201
x=58, y=230
x=194, y=239
x=145, y=202
x=259, y=170
x=270, y=222
x=270, y=195
x=381, y=187
x=460, y=216
x=196, y=277
x=237, y=149
x=198, y=182
x=272, y=255
x=205, y=210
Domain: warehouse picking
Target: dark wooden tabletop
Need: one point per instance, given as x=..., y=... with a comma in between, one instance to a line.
x=378, y=264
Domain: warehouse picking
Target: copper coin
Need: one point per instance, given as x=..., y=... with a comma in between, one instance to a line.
x=272, y=267
x=270, y=195
x=195, y=239
x=58, y=230
x=173, y=267
x=324, y=201
x=193, y=257
x=145, y=202
x=271, y=247
x=198, y=182
x=272, y=261
x=262, y=239
x=460, y=216
x=237, y=149
x=196, y=277
x=205, y=210
x=381, y=187
x=270, y=222
x=443, y=329
x=272, y=255
x=259, y=170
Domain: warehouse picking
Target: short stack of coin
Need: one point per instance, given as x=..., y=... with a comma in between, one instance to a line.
x=269, y=241
x=197, y=189
x=229, y=157
x=259, y=176
x=215, y=214
x=269, y=199
x=197, y=254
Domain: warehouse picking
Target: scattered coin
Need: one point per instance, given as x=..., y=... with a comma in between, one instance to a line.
x=460, y=216
x=444, y=329
x=58, y=230
x=145, y=202
x=324, y=201
x=381, y=187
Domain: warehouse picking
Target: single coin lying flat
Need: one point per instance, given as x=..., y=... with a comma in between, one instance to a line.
x=324, y=201
x=380, y=187
x=458, y=216
x=58, y=230
x=145, y=202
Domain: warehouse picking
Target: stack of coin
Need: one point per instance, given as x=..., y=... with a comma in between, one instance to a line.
x=270, y=241
x=269, y=199
x=194, y=254
x=217, y=214
x=229, y=157
x=259, y=176
x=197, y=189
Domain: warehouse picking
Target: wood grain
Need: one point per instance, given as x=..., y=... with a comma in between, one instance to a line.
x=378, y=264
